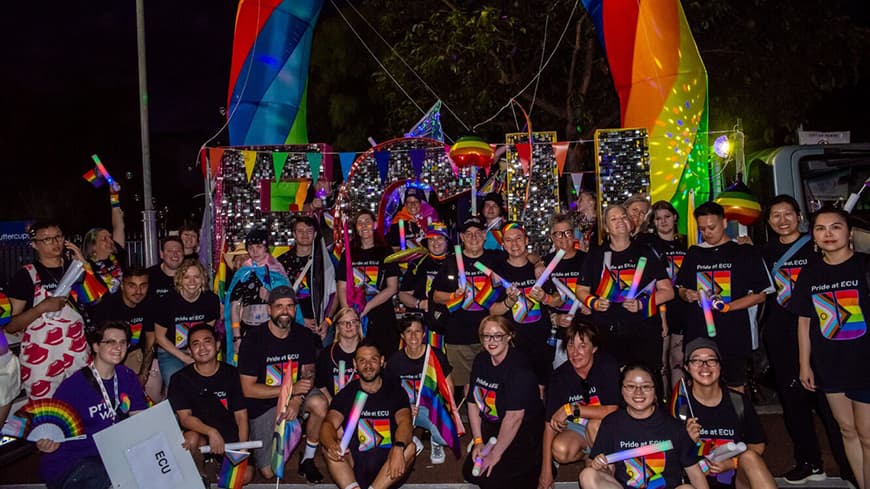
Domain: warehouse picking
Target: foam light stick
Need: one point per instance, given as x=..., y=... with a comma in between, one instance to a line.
x=402, y=243
x=70, y=276
x=478, y=461
x=635, y=280
x=707, y=306
x=103, y=171
x=342, y=371
x=566, y=291
x=550, y=267
x=460, y=265
x=492, y=275
x=662, y=446
x=241, y=445
x=359, y=403
x=726, y=451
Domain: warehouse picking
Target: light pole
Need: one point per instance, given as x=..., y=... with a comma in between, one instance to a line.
x=148, y=214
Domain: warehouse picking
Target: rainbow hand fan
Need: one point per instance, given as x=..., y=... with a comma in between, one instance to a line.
x=53, y=419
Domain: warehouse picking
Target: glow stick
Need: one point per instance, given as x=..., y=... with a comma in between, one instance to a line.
x=550, y=267
x=102, y=170
x=726, y=451
x=342, y=371
x=478, y=462
x=70, y=276
x=242, y=445
x=662, y=446
x=353, y=418
x=566, y=291
x=638, y=274
x=460, y=265
x=492, y=275
x=402, y=243
x=707, y=306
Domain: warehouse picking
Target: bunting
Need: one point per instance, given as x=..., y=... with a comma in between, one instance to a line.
x=346, y=158
x=383, y=160
x=417, y=156
x=279, y=159
x=524, y=152
x=250, y=158
x=561, y=152
x=314, y=162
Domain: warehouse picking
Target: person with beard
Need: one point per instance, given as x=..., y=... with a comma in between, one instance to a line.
x=161, y=277
x=417, y=281
x=266, y=354
x=381, y=461
x=567, y=272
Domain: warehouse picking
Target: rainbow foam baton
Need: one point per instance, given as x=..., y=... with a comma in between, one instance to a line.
x=342, y=371
x=635, y=280
x=102, y=170
x=242, y=445
x=70, y=276
x=550, y=267
x=707, y=306
x=662, y=446
x=402, y=243
x=478, y=461
x=566, y=291
x=359, y=403
x=492, y=275
x=726, y=451
x=460, y=265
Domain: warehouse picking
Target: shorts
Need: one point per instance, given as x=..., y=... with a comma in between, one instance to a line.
x=580, y=429
x=169, y=364
x=134, y=360
x=262, y=428
x=734, y=370
x=366, y=466
x=461, y=357
x=858, y=395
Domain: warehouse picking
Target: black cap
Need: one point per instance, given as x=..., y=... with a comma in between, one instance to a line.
x=416, y=193
x=473, y=222
x=257, y=236
x=699, y=343
x=494, y=197
x=281, y=292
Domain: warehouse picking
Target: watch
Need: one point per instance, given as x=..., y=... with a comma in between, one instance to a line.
x=400, y=444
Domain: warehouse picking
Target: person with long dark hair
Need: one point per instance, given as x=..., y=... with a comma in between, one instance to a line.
x=348, y=335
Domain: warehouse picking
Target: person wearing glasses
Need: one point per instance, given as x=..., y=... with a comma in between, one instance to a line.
x=640, y=421
x=268, y=353
x=103, y=393
x=568, y=273
x=504, y=402
x=47, y=343
x=417, y=281
x=104, y=249
x=348, y=335
x=720, y=415
x=581, y=393
x=415, y=220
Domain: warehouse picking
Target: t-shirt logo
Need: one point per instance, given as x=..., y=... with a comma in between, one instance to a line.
x=366, y=276
x=485, y=400
x=784, y=280
x=374, y=433
x=411, y=387
x=275, y=372
x=571, y=283
x=349, y=376
x=716, y=283
x=181, y=332
x=674, y=264
x=135, y=333
x=304, y=291
x=646, y=472
x=840, y=315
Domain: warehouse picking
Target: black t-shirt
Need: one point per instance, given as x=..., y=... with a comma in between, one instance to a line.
x=568, y=272
x=327, y=371
x=140, y=318
x=371, y=272
x=214, y=400
x=600, y=388
x=780, y=322
x=413, y=234
x=377, y=422
x=720, y=424
x=464, y=319
x=671, y=254
x=420, y=276
x=508, y=386
x=294, y=264
x=619, y=431
x=22, y=288
x=622, y=267
x=159, y=284
x=535, y=327
x=178, y=316
x=264, y=356
x=834, y=297
x=408, y=371
x=728, y=272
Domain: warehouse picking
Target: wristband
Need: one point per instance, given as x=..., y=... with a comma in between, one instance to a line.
x=735, y=463
x=567, y=409
x=590, y=301
x=478, y=440
x=236, y=325
x=115, y=199
x=726, y=307
x=548, y=300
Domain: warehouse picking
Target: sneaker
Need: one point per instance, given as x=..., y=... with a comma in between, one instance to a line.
x=308, y=470
x=803, y=472
x=418, y=445
x=436, y=454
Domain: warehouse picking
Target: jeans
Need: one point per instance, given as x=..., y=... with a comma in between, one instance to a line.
x=168, y=365
x=88, y=474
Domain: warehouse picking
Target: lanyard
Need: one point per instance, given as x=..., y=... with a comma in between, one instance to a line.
x=106, y=400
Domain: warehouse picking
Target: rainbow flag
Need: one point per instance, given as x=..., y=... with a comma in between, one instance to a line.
x=220, y=281
x=486, y=296
x=437, y=411
x=89, y=290
x=94, y=177
x=435, y=340
x=608, y=286
x=679, y=402
x=232, y=473
x=5, y=309
x=647, y=297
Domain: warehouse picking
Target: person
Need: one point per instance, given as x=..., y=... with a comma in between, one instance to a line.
x=248, y=292
x=735, y=278
x=380, y=453
x=161, y=277
x=190, y=239
x=417, y=282
x=829, y=298
x=504, y=402
x=189, y=304
x=493, y=215
x=637, y=206
x=406, y=367
x=379, y=280
x=786, y=255
x=670, y=248
x=587, y=220
x=105, y=250
x=581, y=393
x=414, y=221
x=348, y=335
x=631, y=329
x=207, y=398
x=52, y=348
x=531, y=324
x=103, y=393
x=265, y=356
x=720, y=415
x=639, y=423
x=316, y=280
x=568, y=272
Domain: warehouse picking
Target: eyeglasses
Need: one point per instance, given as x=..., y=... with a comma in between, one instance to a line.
x=49, y=239
x=114, y=343
x=493, y=338
x=562, y=234
x=349, y=323
x=645, y=388
x=709, y=362
x=474, y=235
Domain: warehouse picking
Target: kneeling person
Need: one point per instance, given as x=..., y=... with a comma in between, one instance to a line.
x=207, y=398
x=384, y=459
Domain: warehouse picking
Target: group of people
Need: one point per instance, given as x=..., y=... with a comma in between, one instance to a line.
x=559, y=358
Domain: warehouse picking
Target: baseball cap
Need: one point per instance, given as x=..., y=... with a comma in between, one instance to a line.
x=416, y=193
x=436, y=229
x=281, y=292
x=473, y=222
x=699, y=343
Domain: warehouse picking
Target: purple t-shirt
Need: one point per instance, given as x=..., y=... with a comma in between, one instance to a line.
x=87, y=400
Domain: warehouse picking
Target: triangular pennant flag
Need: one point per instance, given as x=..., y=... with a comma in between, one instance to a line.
x=561, y=151
x=250, y=158
x=577, y=180
x=346, y=160
x=417, y=157
x=383, y=160
x=215, y=156
x=429, y=126
x=524, y=152
x=314, y=162
x=279, y=160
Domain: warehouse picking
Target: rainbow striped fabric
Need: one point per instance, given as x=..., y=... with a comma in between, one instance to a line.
x=89, y=290
x=437, y=410
x=232, y=473
x=608, y=286
x=93, y=177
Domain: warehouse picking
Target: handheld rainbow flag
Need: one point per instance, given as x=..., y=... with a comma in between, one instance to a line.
x=436, y=409
x=486, y=296
x=232, y=473
x=680, y=406
x=521, y=309
x=5, y=310
x=89, y=290
x=647, y=298
x=93, y=177
x=608, y=286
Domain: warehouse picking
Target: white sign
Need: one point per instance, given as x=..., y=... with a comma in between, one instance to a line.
x=153, y=464
x=820, y=137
